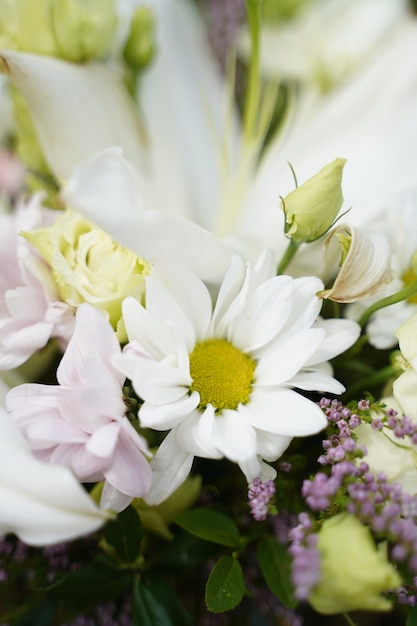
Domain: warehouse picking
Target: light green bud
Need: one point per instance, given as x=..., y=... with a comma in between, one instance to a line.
x=74, y=30
x=83, y=29
x=140, y=46
x=354, y=571
x=311, y=209
x=276, y=10
x=89, y=266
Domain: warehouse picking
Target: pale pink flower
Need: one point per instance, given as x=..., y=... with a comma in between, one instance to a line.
x=81, y=423
x=30, y=308
x=12, y=174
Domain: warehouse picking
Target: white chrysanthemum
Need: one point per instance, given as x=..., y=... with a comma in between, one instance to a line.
x=221, y=378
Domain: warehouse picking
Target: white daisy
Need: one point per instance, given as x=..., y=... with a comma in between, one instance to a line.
x=220, y=378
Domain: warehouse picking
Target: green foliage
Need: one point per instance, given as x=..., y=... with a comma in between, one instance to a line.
x=93, y=583
x=412, y=617
x=225, y=586
x=125, y=534
x=274, y=562
x=211, y=526
x=155, y=604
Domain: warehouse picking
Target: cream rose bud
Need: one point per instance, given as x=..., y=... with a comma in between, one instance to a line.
x=74, y=30
x=89, y=266
x=311, y=209
x=354, y=571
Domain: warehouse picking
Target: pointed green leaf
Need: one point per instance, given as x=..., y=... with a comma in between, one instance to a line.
x=225, y=587
x=274, y=562
x=147, y=610
x=125, y=534
x=412, y=617
x=211, y=526
x=93, y=582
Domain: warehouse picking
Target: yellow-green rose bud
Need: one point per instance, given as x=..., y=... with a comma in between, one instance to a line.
x=311, y=209
x=354, y=571
x=75, y=30
x=140, y=46
x=89, y=266
x=275, y=10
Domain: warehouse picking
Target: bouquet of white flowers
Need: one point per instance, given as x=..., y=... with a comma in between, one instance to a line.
x=208, y=324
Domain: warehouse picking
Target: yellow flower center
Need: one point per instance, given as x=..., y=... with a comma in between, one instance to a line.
x=221, y=374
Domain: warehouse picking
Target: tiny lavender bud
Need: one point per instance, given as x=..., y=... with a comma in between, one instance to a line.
x=259, y=496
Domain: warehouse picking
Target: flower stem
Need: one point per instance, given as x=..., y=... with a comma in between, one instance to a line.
x=378, y=378
x=348, y=619
x=403, y=294
x=288, y=255
x=251, y=108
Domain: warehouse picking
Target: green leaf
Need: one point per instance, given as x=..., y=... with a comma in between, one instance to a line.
x=147, y=610
x=211, y=526
x=225, y=587
x=274, y=562
x=125, y=534
x=412, y=617
x=91, y=583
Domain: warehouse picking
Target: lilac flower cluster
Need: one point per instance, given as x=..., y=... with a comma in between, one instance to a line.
x=259, y=496
x=305, y=555
x=349, y=485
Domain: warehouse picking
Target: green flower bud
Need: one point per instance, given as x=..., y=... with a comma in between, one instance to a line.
x=89, y=266
x=311, y=209
x=354, y=571
x=75, y=30
x=83, y=29
x=140, y=46
x=275, y=10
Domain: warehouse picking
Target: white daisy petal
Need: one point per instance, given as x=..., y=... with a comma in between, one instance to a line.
x=284, y=412
x=285, y=358
x=149, y=331
x=229, y=394
x=261, y=321
x=234, y=436
x=165, y=416
x=170, y=467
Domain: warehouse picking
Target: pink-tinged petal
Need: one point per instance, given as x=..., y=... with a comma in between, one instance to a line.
x=42, y=504
x=90, y=350
x=284, y=412
x=130, y=471
x=284, y=358
x=19, y=339
x=170, y=467
x=103, y=441
x=165, y=416
x=234, y=436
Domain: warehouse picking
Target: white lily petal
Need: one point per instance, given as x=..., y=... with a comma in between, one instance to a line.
x=73, y=108
x=186, y=177
x=366, y=267
x=40, y=503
